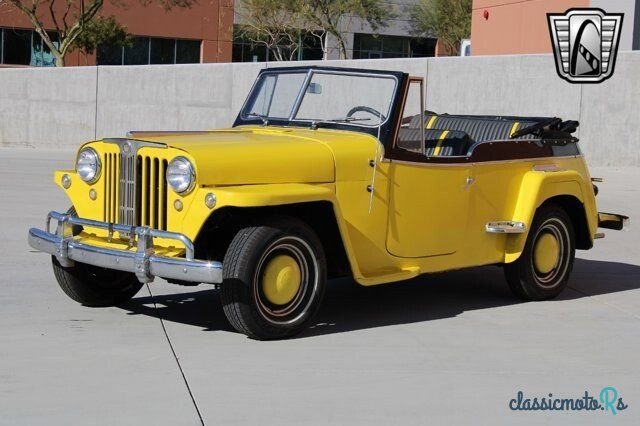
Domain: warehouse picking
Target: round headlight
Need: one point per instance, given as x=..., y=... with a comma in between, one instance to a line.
x=180, y=175
x=88, y=165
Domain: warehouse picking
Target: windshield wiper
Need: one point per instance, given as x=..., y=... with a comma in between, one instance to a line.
x=346, y=120
x=314, y=123
x=264, y=118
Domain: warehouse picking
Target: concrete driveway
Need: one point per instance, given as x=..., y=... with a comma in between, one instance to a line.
x=448, y=349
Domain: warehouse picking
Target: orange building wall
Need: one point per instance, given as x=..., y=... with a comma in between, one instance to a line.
x=208, y=20
x=514, y=26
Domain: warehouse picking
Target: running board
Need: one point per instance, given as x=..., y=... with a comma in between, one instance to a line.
x=506, y=227
x=390, y=276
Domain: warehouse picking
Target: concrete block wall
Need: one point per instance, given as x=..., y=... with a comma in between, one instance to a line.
x=47, y=107
x=163, y=98
x=61, y=108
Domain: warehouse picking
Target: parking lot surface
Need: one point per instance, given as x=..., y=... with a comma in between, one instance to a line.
x=452, y=348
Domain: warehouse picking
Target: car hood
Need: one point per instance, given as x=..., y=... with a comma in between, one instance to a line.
x=253, y=155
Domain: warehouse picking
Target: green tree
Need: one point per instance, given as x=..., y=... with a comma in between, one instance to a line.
x=279, y=24
x=102, y=31
x=448, y=20
x=328, y=16
x=73, y=18
x=274, y=24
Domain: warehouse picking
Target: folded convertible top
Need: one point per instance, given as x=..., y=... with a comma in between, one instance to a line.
x=481, y=128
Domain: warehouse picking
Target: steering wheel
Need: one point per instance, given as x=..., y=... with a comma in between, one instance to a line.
x=362, y=108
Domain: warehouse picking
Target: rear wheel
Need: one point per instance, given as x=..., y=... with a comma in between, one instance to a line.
x=544, y=267
x=274, y=278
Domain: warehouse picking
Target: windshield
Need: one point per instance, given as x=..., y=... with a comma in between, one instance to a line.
x=360, y=99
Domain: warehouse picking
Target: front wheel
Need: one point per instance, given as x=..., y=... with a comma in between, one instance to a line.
x=542, y=270
x=94, y=286
x=274, y=278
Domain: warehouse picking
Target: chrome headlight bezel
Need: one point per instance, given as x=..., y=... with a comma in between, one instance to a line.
x=187, y=173
x=92, y=177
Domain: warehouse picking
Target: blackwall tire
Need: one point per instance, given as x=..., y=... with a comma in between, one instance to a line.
x=94, y=286
x=274, y=278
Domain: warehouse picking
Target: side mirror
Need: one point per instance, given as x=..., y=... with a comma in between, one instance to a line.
x=314, y=88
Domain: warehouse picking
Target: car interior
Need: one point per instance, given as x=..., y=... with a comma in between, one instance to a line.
x=456, y=135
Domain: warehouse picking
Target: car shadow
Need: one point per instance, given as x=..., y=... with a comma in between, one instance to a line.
x=348, y=306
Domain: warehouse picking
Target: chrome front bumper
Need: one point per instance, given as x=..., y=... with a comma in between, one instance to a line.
x=143, y=261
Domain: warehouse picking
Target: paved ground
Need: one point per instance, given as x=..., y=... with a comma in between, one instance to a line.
x=449, y=349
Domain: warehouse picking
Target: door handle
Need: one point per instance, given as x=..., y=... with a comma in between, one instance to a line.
x=468, y=182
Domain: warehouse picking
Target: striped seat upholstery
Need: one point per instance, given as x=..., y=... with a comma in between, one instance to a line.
x=448, y=135
x=438, y=142
x=479, y=129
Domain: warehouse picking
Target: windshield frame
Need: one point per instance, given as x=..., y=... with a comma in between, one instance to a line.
x=244, y=117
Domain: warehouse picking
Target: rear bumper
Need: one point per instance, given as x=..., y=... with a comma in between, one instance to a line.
x=612, y=221
x=143, y=261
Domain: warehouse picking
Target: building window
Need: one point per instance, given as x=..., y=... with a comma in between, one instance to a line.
x=25, y=47
x=135, y=54
x=311, y=49
x=41, y=55
x=151, y=50
x=187, y=51
x=16, y=47
x=109, y=55
x=368, y=46
x=163, y=51
x=245, y=50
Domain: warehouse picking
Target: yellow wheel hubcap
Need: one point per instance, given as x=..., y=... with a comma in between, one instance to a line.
x=281, y=279
x=546, y=253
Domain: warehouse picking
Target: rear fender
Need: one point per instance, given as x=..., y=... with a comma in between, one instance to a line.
x=536, y=188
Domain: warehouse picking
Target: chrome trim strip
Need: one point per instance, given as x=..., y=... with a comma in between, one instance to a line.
x=477, y=163
x=135, y=143
x=143, y=261
x=546, y=168
x=132, y=134
x=506, y=227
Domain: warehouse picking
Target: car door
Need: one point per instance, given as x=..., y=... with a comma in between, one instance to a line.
x=428, y=207
x=428, y=200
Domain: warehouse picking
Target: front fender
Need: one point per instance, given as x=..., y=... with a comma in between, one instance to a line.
x=265, y=196
x=536, y=188
x=252, y=196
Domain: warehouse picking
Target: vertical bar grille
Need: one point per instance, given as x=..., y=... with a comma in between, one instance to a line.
x=110, y=203
x=135, y=190
x=152, y=195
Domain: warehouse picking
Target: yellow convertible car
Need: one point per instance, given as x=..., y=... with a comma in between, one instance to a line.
x=326, y=172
